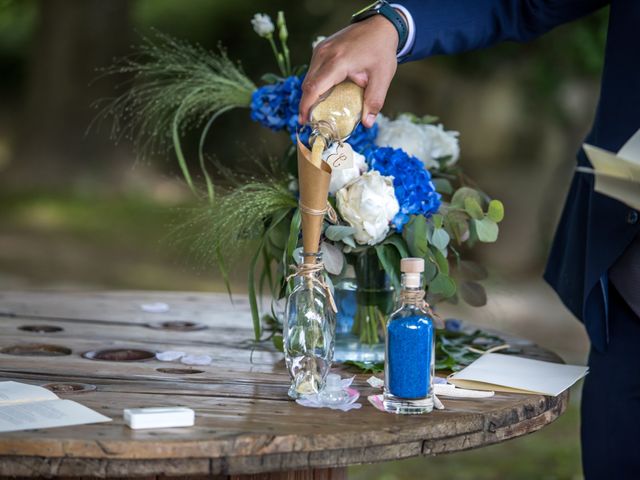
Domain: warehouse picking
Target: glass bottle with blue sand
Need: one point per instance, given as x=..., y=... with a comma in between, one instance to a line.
x=410, y=347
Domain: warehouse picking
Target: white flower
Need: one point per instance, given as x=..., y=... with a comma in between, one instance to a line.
x=262, y=24
x=443, y=143
x=425, y=142
x=318, y=39
x=368, y=204
x=340, y=177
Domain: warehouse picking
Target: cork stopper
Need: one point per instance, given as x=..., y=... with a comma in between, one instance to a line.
x=412, y=265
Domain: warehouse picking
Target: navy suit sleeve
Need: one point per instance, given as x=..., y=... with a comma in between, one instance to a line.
x=454, y=26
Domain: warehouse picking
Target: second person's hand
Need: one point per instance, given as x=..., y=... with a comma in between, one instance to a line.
x=364, y=53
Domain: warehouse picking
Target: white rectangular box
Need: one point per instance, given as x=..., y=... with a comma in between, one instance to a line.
x=161, y=417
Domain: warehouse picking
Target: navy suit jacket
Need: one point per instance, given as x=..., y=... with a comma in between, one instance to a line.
x=594, y=230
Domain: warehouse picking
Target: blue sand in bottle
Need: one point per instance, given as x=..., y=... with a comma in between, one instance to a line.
x=409, y=356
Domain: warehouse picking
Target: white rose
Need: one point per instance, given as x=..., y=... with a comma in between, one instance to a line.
x=442, y=143
x=425, y=142
x=368, y=205
x=318, y=39
x=405, y=134
x=262, y=24
x=340, y=177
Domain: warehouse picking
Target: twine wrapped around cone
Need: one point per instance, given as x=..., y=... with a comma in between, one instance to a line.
x=313, y=181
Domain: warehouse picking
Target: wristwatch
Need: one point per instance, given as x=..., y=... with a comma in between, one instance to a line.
x=382, y=7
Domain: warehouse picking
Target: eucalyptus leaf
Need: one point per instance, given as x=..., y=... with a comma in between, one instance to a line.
x=441, y=260
x=278, y=342
x=443, y=186
x=462, y=193
x=442, y=285
x=496, y=211
x=473, y=293
x=471, y=270
x=486, y=229
x=440, y=238
x=398, y=242
x=438, y=220
x=349, y=241
x=390, y=260
x=332, y=257
x=415, y=234
x=473, y=208
x=338, y=232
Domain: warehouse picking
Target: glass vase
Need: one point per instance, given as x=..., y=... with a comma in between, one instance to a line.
x=308, y=330
x=364, y=302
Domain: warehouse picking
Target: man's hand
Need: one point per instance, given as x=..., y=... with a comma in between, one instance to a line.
x=364, y=53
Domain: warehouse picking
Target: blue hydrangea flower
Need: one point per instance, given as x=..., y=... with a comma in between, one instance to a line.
x=276, y=106
x=412, y=183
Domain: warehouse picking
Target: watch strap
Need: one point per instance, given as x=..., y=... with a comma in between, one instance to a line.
x=383, y=8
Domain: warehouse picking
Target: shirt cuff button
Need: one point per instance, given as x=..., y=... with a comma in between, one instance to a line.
x=632, y=217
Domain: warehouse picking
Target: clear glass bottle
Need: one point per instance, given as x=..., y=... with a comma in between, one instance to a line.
x=410, y=347
x=309, y=330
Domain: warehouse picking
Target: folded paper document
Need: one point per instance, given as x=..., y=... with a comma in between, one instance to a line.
x=617, y=174
x=25, y=407
x=508, y=373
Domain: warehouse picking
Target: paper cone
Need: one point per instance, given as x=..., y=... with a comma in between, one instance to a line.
x=313, y=181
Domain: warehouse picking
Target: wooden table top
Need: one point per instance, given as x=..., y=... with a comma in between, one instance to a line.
x=245, y=422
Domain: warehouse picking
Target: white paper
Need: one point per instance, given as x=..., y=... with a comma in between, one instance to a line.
x=47, y=414
x=617, y=175
x=507, y=373
x=15, y=392
x=25, y=407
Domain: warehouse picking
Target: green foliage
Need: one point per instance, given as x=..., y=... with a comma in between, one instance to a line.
x=415, y=234
x=175, y=87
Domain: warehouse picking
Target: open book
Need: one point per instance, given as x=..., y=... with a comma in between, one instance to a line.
x=507, y=373
x=25, y=407
x=617, y=175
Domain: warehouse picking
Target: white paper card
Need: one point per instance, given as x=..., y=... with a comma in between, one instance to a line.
x=617, y=175
x=339, y=156
x=507, y=373
x=25, y=407
x=47, y=414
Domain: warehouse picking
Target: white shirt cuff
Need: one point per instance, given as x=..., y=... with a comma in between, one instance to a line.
x=411, y=27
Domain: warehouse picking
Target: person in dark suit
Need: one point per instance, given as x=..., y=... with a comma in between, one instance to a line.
x=594, y=264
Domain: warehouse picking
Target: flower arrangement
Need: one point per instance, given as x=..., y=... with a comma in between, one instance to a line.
x=406, y=195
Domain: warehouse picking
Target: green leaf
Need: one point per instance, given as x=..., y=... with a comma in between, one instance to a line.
x=462, y=193
x=398, y=242
x=270, y=78
x=366, y=367
x=473, y=208
x=472, y=270
x=473, y=293
x=440, y=238
x=496, y=211
x=438, y=220
x=278, y=342
x=415, y=234
x=294, y=233
x=338, y=232
x=349, y=241
x=389, y=258
x=443, y=186
x=442, y=285
x=441, y=260
x=253, y=300
x=486, y=229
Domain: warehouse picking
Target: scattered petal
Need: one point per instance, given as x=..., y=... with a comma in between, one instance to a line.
x=375, y=382
x=196, y=360
x=156, y=307
x=169, y=356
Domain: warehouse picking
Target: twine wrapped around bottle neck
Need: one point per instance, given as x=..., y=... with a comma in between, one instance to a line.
x=416, y=297
x=309, y=270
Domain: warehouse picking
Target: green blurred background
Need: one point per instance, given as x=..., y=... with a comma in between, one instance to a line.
x=79, y=212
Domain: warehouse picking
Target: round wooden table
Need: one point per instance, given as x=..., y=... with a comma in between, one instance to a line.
x=245, y=427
